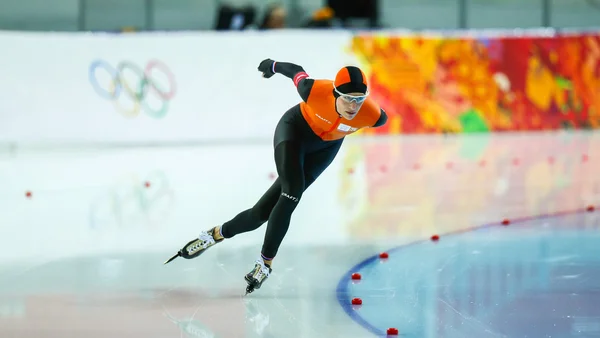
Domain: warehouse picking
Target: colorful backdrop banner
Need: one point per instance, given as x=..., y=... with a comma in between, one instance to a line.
x=151, y=88
x=462, y=84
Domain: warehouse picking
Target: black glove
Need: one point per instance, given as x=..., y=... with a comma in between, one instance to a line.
x=266, y=68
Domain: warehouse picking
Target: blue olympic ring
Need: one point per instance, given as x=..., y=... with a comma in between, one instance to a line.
x=119, y=86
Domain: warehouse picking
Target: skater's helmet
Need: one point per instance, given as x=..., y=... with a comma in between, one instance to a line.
x=351, y=83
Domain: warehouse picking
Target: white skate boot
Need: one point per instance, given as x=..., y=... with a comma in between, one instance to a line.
x=198, y=246
x=257, y=276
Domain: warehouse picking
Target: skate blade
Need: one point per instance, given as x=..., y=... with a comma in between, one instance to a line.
x=249, y=289
x=172, y=258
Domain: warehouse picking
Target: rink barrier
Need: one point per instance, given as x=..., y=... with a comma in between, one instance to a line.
x=190, y=87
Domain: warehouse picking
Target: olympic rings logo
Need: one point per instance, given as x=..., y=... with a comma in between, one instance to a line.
x=129, y=204
x=129, y=82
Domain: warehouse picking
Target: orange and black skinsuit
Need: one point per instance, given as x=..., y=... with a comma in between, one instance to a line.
x=307, y=139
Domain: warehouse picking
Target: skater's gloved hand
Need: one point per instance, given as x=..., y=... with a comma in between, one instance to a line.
x=266, y=68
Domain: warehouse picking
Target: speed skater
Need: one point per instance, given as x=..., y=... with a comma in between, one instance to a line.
x=306, y=140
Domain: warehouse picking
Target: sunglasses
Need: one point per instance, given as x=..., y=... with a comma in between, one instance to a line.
x=358, y=99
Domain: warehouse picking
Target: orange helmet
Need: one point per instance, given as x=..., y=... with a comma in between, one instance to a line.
x=350, y=79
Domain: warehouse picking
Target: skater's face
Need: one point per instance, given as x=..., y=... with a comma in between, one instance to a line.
x=349, y=104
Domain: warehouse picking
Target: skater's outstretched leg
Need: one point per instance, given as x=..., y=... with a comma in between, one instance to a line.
x=251, y=219
x=245, y=221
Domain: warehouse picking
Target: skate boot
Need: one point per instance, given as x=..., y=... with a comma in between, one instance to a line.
x=257, y=276
x=198, y=246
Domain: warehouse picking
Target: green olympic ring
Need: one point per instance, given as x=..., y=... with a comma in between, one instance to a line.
x=137, y=92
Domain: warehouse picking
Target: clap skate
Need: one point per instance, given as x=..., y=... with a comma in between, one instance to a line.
x=257, y=276
x=198, y=246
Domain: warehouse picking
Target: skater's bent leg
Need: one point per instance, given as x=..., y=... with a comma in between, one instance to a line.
x=288, y=159
x=251, y=219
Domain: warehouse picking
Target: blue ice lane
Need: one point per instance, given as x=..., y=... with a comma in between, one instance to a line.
x=535, y=279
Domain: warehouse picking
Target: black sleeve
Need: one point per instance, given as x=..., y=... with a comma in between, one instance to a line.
x=304, y=88
x=382, y=119
x=287, y=69
x=298, y=75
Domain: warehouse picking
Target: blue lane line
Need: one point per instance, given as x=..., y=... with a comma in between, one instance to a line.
x=342, y=287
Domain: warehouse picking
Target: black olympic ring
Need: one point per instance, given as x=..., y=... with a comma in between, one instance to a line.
x=138, y=92
x=129, y=201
